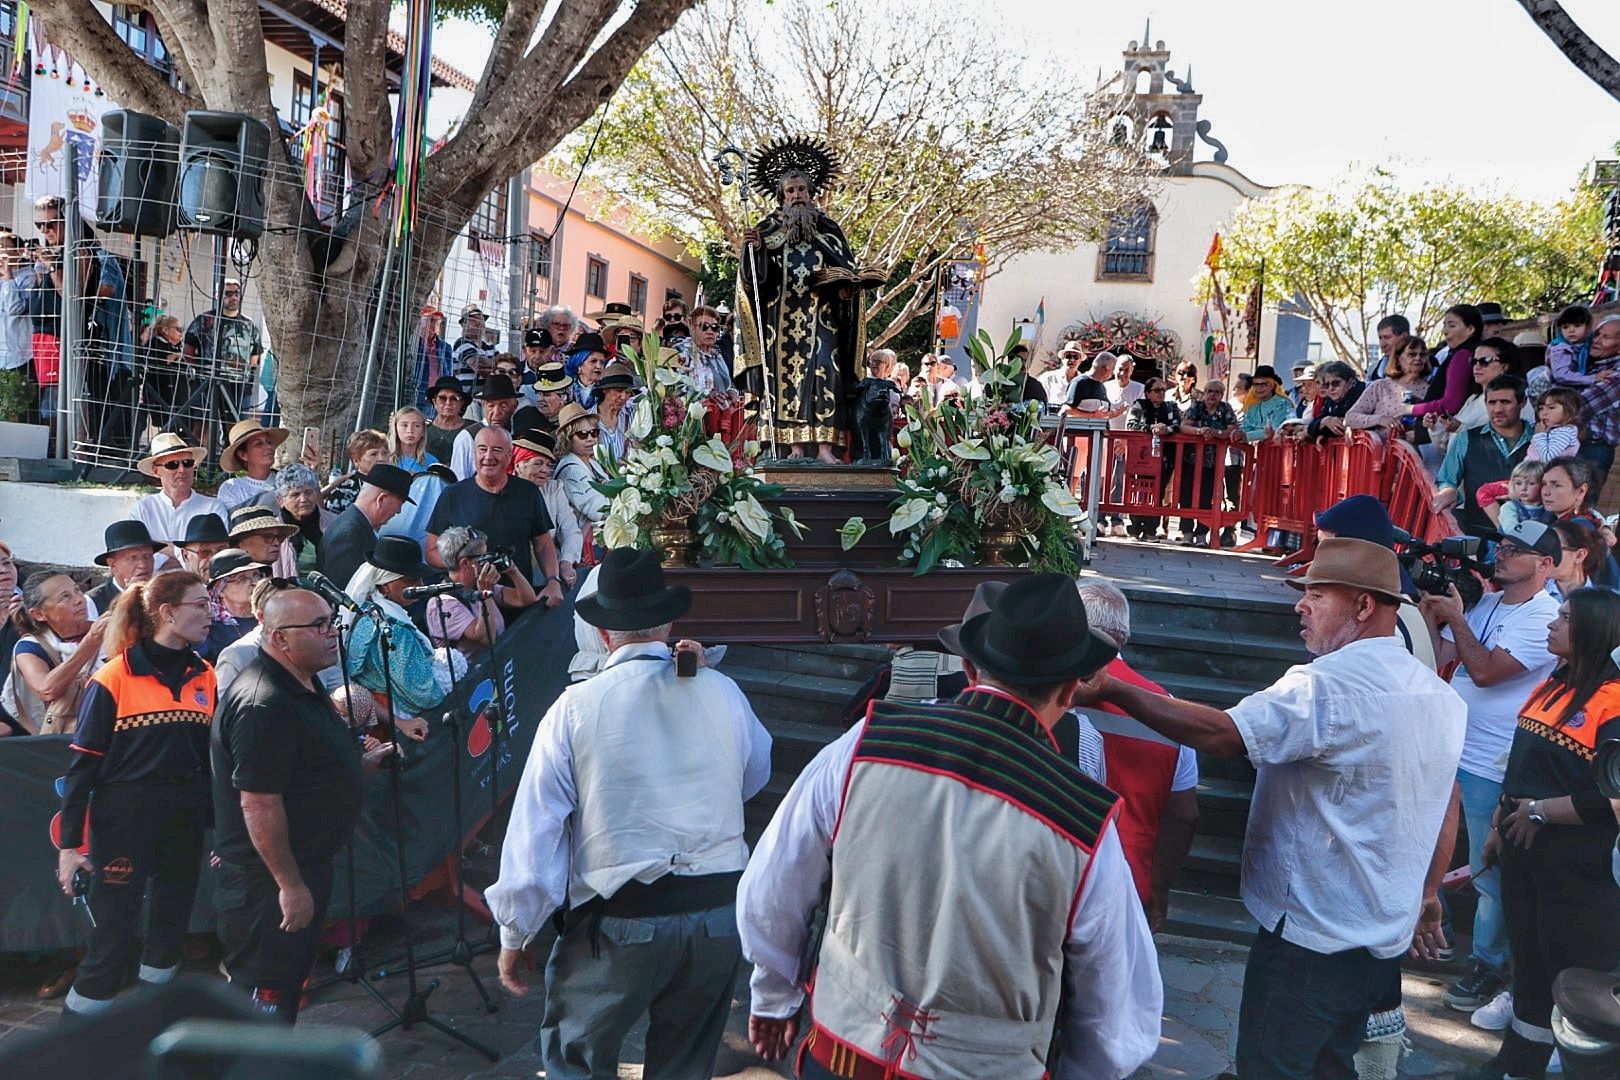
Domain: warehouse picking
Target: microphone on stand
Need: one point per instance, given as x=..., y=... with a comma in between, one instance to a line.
x=320, y=583
x=443, y=588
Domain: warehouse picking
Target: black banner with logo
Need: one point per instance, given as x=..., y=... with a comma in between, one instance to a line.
x=499, y=706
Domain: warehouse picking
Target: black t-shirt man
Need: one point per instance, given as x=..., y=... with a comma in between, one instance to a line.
x=511, y=519
x=274, y=736
x=1085, y=388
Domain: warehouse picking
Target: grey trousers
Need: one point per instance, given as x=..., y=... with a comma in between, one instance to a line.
x=680, y=969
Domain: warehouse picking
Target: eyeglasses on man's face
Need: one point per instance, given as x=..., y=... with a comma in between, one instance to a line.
x=323, y=625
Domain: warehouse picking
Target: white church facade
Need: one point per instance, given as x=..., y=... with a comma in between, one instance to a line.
x=1145, y=277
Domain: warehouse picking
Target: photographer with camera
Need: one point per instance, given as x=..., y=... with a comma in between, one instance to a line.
x=459, y=618
x=1554, y=830
x=1500, y=646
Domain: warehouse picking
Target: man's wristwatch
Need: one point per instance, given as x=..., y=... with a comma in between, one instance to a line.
x=1535, y=813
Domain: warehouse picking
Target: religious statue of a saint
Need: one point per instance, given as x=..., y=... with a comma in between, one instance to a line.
x=803, y=341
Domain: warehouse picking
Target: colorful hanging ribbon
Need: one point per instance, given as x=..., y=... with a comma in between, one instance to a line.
x=411, y=122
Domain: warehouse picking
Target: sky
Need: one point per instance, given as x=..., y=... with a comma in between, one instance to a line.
x=1469, y=91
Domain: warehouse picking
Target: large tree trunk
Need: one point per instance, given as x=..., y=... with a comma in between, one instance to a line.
x=320, y=317
x=1576, y=44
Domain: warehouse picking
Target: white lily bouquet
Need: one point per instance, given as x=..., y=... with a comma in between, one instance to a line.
x=979, y=480
x=679, y=477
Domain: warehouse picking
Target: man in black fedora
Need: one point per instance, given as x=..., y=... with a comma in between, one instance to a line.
x=497, y=399
x=128, y=559
x=384, y=491
x=629, y=818
x=981, y=911
x=205, y=537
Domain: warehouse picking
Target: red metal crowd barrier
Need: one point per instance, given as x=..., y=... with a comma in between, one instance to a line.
x=1281, y=485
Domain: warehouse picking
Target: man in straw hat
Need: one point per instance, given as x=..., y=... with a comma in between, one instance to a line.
x=173, y=463
x=981, y=908
x=629, y=818
x=251, y=451
x=1355, y=753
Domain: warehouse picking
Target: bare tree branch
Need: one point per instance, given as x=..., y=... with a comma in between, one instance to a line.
x=1587, y=55
x=78, y=27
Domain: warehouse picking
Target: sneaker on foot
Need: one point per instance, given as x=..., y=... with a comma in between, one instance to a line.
x=1496, y=1015
x=1474, y=990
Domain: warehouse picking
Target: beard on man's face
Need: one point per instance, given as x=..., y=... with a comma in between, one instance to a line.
x=800, y=221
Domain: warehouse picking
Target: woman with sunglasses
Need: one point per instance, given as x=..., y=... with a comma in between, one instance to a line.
x=1151, y=412
x=232, y=575
x=579, y=433
x=173, y=464
x=1492, y=357
x=1554, y=831
x=138, y=783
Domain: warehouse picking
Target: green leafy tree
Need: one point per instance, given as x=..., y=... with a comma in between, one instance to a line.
x=947, y=134
x=1353, y=254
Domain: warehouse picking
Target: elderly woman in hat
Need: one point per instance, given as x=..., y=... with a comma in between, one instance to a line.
x=420, y=678
x=173, y=464
x=613, y=412
x=534, y=457
x=232, y=576
x=251, y=451
x=1267, y=408
x=260, y=532
x=449, y=402
x=579, y=433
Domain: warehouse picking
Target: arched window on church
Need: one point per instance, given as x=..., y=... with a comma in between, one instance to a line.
x=1127, y=254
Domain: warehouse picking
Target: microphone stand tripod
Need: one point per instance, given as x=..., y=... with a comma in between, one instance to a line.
x=416, y=1001
x=462, y=952
x=354, y=973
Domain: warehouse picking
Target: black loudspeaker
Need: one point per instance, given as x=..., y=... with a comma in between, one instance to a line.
x=137, y=166
x=222, y=163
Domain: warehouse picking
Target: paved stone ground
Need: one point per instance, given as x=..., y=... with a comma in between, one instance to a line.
x=1203, y=982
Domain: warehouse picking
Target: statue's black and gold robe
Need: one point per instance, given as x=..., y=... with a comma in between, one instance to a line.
x=814, y=329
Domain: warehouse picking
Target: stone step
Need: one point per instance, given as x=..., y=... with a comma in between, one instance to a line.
x=1213, y=865
x=1212, y=690
x=1178, y=609
x=1256, y=659
x=855, y=662
x=1210, y=917
x=791, y=696
x=1223, y=806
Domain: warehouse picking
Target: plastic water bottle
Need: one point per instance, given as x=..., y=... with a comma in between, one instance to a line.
x=1158, y=445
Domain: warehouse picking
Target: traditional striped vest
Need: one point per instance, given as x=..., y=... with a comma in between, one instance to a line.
x=961, y=847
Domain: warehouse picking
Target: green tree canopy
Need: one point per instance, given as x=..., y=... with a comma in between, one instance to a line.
x=948, y=134
x=1353, y=254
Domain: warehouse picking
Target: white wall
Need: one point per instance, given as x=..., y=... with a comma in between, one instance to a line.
x=50, y=523
x=1191, y=210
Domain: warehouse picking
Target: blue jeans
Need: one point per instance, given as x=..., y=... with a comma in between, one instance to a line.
x=1304, y=1013
x=1479, y=799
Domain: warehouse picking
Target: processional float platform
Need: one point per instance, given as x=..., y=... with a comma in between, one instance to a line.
x=829, y=595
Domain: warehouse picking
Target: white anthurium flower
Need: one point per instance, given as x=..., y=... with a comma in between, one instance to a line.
x=750, y=519
x=910, y=513
x=618, y=533
x=1048, y=458
x=714, y=455
x=971, y=450
x=667, y=376
x=668, y=456
x=791, y=521
x=666, y=440
x=850, y=533
x=641, y=422
x=1059, y=501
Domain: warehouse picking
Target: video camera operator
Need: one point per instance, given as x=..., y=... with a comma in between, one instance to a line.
x=1500, y=646
x=455, y=619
